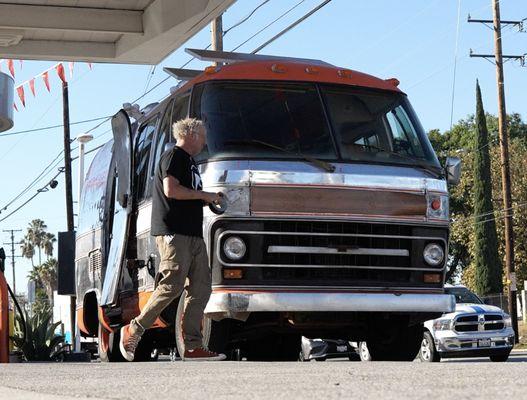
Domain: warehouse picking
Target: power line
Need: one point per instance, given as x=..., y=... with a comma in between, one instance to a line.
x=51, y=127
x=246, y=18
x=288, y=28
x=269, y=24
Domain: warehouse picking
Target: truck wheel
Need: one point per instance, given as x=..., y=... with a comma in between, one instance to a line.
x=499, y=358
x=274, y=348
x=108, y=345
x=428, y=352
x=396, y=343
x=364, y=353
x=215, y=333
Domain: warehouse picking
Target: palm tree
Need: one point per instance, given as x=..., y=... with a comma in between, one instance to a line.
x=46, y=276
x=35, y=234
x=47, y=244
x=28, y=250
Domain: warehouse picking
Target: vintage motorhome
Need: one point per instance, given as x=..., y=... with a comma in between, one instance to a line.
x=337, y=216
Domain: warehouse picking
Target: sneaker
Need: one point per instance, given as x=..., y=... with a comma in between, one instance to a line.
x=128, y=343
x=202, y=354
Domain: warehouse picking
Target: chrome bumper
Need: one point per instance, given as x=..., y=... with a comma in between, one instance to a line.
x=230, y=303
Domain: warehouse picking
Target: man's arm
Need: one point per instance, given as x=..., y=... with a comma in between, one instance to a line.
x=174, y=190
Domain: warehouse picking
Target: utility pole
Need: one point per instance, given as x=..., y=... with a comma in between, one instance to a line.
x=504, y=153
x=216, y=29
x=68, y=186
x=12, y=244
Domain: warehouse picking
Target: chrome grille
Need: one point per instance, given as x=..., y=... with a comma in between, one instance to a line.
x=478, y=323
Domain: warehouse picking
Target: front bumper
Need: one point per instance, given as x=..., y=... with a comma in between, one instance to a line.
x=230, y=303
x=475, y=344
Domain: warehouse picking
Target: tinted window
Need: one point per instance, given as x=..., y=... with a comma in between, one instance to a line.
x=464, y=295
x=142, y=157
x=262, y=120
x=376, y=126
x=163, y=135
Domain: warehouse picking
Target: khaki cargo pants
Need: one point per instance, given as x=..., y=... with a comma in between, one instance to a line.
x=182, y=257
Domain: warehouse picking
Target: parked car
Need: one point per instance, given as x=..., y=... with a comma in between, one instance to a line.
x=322, y=349
x=474, y=329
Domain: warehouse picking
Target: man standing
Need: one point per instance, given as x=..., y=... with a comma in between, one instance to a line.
x=177, y=217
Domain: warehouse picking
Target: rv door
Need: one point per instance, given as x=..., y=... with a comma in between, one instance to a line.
x=122, y=206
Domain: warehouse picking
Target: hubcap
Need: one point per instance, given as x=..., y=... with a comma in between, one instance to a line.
x=365, y=354
x=426, y=353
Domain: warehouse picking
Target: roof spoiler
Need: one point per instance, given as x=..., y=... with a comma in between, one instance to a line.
x=229, y=58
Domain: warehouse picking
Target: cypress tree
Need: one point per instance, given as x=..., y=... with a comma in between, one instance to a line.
x=488, y=268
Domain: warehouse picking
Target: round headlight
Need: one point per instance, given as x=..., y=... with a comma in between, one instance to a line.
x=433, y=254
x=234, y=248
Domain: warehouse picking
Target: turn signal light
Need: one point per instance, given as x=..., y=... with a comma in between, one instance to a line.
x=232, y=274
x=432, y=278
x=278, y=68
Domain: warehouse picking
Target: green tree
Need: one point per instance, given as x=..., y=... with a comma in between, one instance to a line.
x=488, y=268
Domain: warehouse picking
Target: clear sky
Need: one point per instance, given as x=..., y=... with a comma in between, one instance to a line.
x=412, y=40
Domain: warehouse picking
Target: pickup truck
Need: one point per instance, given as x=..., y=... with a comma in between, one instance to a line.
x=474, y=329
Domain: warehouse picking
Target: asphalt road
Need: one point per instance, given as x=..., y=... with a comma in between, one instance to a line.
x=459, y=379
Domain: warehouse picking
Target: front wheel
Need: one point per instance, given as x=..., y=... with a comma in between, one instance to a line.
x=215, y=333
x=428, y=351
x=499, y=358
x=108, y=345
x=398, y=342
x=364, y=353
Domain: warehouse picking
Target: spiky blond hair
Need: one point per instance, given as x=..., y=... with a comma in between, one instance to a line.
x=186, y=127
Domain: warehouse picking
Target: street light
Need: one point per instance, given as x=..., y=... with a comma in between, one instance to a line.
x=82, y=139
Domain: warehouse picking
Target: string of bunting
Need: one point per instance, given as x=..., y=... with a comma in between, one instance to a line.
x=20, y=89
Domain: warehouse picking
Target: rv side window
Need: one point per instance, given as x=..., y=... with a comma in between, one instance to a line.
x=162, y=136
x=142, y=157
x=165, y=132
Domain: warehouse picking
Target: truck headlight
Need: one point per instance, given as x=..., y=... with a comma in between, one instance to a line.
x=433, y=254
x=443, y=324
x=234, y=248
x=507, y=321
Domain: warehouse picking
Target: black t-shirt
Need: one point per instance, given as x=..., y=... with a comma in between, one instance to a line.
x=170, y=216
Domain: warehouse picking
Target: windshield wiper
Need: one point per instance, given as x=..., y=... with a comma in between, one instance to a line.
x=315, y=161
x=436, y=171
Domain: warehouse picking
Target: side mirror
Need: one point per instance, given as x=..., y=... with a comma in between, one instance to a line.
x=453, y=170
x=2, y=259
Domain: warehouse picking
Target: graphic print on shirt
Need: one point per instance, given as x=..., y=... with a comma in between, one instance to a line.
x=196, y=177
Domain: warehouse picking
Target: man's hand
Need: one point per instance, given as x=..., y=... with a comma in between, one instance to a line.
x=209, y=198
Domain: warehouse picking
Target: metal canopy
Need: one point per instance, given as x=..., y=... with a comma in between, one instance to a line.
x=116, y=31
x=230, y=57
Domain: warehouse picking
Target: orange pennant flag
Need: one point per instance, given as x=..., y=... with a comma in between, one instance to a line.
x=15, y=107
x=89, y=65
x=60, y=72
x=21, y=95
x=11, y=67
x=32, y=86
x=45, y=77
x=70, y=65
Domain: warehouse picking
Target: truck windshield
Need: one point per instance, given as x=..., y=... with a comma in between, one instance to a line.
x=332, y=123
x=464, y=296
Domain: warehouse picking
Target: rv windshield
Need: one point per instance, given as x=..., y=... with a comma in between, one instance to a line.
x=332, y=123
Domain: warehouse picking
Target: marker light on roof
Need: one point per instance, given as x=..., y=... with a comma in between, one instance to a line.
x=278, y=68
x=344, y=73
x=312, y=70
x=393, y=81
x=212, y=69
